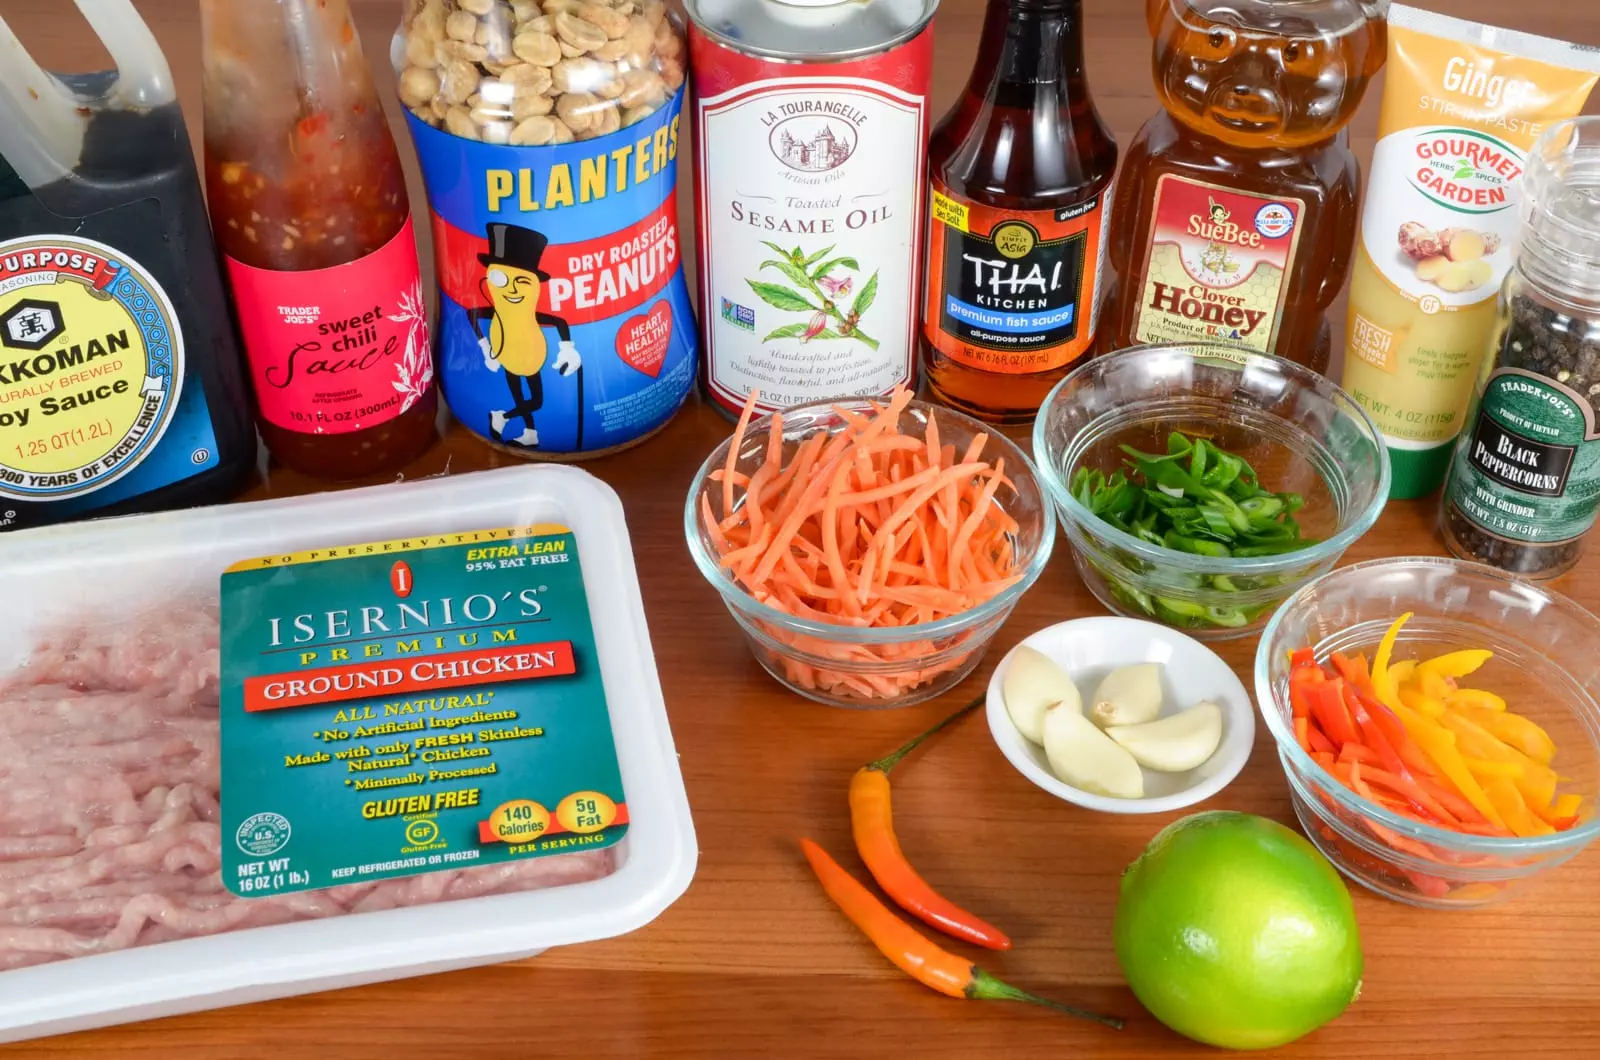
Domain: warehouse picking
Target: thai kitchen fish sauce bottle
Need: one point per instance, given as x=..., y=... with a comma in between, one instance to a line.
x=1524, y=484
x=309, y=204
x=1020, y=174
x=811, y=120
x=120, y=383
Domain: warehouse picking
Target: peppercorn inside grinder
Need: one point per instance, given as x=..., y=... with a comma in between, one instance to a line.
x=1524, y=484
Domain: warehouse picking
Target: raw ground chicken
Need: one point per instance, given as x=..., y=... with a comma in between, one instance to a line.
x=108, y=802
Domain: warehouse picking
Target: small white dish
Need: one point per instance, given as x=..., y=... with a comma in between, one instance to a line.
x=1088, y=649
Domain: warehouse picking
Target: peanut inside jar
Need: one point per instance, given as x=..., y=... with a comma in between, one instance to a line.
x=528, y=73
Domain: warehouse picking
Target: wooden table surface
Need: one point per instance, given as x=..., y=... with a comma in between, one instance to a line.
x=753, y=960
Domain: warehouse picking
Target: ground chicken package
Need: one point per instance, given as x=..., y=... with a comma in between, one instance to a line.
x=262, y=750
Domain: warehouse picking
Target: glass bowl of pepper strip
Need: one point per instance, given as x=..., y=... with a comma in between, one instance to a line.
x=1437, y=723
x=1201, y=484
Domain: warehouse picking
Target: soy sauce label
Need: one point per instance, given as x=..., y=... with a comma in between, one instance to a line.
x=340, y=349
x=91, y=366
x=1012, y=291
x=1529, y=471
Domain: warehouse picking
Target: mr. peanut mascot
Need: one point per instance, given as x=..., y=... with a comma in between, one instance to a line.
x=516, y=342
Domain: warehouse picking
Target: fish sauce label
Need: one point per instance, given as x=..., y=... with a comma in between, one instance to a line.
x=1529, y=470
x=1218, y=265
x=91, y=367
x=811, y=181
x=340, y=349
x=565, y=325
x=1012, y=291
x=404, y=707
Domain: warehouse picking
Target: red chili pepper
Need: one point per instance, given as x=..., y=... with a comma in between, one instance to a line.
x=872, y=823
x=916, y=955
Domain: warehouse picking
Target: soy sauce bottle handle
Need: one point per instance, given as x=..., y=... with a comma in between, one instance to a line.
x=43, y=121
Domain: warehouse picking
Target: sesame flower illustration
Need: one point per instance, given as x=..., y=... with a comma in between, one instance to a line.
x=834, y=288
x=821, y=284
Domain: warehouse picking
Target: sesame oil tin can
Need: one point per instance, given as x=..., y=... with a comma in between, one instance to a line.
x=811, y=130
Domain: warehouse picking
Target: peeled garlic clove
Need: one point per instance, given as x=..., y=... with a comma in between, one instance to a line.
x=1032, y=685
x=1086, y=758
x=1175, y=744
x=1129, y=695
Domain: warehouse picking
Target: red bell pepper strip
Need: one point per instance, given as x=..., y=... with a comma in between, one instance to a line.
x=1352, y=670
x=1416, y=760
x=1326, y=701
x=1319, y=742
x=1372, y=734
x=1302, y=658
x=1302, y=733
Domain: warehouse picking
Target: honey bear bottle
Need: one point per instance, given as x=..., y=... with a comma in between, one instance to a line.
x=1237, y=210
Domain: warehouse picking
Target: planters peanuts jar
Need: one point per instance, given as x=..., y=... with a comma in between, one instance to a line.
x=548, y=140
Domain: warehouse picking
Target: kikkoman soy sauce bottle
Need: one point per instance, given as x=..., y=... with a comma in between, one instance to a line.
x=1020, y=176
x=1237, y=210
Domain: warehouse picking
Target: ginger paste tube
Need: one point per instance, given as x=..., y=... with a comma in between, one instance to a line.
x=1462, y=105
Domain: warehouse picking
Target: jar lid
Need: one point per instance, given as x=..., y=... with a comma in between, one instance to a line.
x=1561, y=203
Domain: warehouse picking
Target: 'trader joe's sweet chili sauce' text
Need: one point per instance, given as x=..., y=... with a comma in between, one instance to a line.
x=309, y=205
x=1020, y=173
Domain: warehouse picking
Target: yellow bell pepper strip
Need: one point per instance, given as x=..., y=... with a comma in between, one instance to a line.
x=1514, y=731
x=1440, y=746
x=1474, y=697
x=1484, y=768
x=1508, y=800
x=1402, y=671
x=1420, y=702
x=1434, y=685
x=1537, y=782
x=1456, y=664
x=1382, y=683
x=1561, y=814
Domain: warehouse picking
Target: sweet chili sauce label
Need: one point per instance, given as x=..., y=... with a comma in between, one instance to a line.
x=1217, y=265
x=403, y=707
x=1012, y=291
x=339, y=349
x=91, y=366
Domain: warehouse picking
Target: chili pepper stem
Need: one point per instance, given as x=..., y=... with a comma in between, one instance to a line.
x=889, y=761
x=986, y=987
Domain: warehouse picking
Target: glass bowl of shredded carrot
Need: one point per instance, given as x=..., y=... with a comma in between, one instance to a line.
x=869, y=550
x=1437, y=724
x=1200, y=484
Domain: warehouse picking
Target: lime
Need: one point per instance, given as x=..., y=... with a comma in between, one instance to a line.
x=1234, y=931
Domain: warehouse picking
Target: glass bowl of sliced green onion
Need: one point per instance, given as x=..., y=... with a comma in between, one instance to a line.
x=1200, y=484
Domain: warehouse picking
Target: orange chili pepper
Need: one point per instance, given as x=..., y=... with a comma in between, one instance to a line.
x=872, y=824
x=913, y=953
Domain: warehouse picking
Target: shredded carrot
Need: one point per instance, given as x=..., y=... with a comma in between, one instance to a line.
x=864, y=526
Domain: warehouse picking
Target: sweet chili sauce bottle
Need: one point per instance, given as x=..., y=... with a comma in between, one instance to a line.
x=309, y=206
x=1020, y=173
x=1236, y=215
